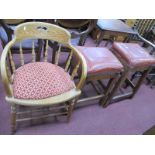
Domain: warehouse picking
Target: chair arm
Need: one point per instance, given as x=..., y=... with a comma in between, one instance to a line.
x=92, y=24
x=83, y=67
x=4, y=74
x=145, y=41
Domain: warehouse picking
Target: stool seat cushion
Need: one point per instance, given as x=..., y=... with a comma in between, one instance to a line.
x=100, y=59
x=133, y=54
x=40, y=80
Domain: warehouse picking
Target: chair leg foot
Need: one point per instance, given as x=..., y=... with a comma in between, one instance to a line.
x=70, y=110
x=105, y=103
x=13, y=119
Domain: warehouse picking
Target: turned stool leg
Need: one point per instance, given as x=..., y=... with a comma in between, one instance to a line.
x=70, y=109
x=13, y=119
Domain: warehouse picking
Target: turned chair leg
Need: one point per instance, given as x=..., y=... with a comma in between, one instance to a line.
x=70, y=109
x=13, y=119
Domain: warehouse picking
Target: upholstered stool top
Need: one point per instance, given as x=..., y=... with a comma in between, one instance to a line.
x=40, y=80
x=133, y=54
x=100, y=59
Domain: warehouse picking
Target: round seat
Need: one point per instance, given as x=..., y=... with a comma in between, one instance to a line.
x=40, y=80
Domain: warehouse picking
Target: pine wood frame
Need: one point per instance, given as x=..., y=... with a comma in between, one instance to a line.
x=46, y=31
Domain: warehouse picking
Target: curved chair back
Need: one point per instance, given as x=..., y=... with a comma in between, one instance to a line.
x=41, y=30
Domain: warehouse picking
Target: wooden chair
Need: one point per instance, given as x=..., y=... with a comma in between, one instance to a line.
x=134, y=59
x=143, y=26
x=7, y=33
x=41, y=86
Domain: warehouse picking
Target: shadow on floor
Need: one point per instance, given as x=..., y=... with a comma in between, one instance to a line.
x=150, y=131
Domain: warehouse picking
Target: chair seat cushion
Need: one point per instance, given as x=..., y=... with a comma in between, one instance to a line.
x=133, y=54
x=40, y=80
x=100, y=59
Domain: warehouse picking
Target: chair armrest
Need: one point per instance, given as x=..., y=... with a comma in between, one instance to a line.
x=4, y=73
x=92, y=24
x=145, y=41
x=83, y=74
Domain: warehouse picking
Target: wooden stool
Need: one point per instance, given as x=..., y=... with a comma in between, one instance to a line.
x=101, y=64
x=134, y=58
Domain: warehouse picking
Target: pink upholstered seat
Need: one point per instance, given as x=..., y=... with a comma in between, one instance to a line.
x=100, y=59
x=40, y=80
x=134, y=54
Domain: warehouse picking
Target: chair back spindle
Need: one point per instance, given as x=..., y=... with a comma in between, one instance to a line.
x=46, y=51
x=57, y=55
x=21, y=54
x=33, y=52
x=69, y=61
x=12, y=61
x=8, y=73
x=75, y=70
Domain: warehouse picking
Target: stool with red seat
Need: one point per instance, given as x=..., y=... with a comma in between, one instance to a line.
x=101, y=64
x=134, y=58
